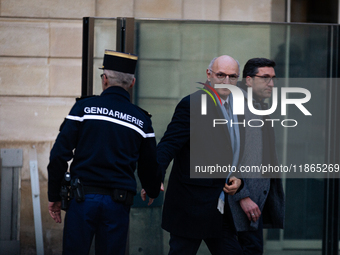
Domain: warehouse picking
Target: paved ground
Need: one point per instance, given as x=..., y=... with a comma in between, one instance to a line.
x=204, y=251
x=293, y=252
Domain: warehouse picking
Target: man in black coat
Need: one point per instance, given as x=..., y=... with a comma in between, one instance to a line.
x=190, y=211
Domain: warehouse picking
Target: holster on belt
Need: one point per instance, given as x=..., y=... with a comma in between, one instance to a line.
x=117, y=195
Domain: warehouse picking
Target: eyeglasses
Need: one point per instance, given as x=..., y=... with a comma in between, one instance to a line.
x=101, y=76
x=223, y=76
x=267, y=79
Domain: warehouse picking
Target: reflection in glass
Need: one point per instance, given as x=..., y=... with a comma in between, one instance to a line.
x=104, y=38
x=174, y=55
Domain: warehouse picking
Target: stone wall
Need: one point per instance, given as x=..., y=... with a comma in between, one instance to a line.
x=40, y=74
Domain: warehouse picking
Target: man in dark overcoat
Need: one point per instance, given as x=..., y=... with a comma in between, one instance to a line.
x=190, y=210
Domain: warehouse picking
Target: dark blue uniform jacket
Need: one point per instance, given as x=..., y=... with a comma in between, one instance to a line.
x=106, y=136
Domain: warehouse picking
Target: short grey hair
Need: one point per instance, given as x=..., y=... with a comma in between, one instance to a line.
x=213, y=61
x=118, y=78
x=211, y=64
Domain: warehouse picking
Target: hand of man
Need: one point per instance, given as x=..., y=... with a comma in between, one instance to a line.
x=250, y=208
x=232, y=187
x=143, y=194
x=54, y=208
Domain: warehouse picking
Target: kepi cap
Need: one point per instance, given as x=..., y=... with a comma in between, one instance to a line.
x=119, y=61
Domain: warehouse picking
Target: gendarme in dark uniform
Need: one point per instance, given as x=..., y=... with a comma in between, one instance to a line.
x=106, y=136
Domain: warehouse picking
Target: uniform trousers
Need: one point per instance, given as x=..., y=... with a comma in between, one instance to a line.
x=97, y=216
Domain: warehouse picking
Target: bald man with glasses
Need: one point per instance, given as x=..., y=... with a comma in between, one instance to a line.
x=196, y=209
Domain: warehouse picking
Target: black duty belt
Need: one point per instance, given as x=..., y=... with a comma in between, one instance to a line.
x=117, y=195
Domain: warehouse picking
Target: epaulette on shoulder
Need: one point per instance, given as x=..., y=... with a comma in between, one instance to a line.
x=146, y=112
x=84, y=97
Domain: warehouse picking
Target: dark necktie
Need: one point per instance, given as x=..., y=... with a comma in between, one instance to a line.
x=226, y=106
